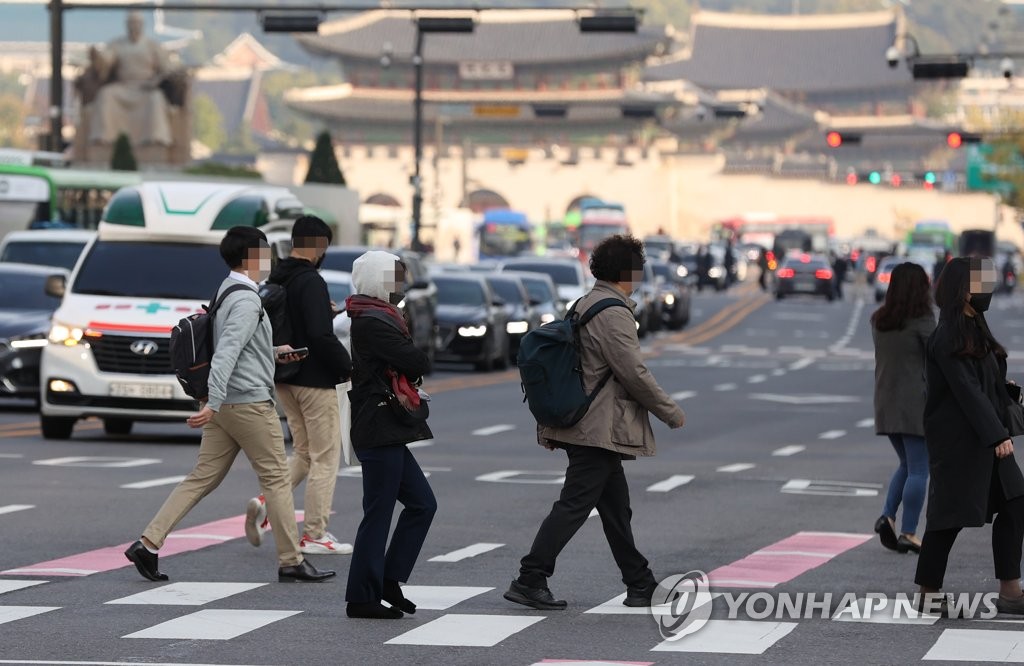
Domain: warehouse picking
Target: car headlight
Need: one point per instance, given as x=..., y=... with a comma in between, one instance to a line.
x=62, y=334
x=473, y=331
x=517, y=327
x=714, y=272
x=670, y=299
x=682, y=271
x=29, y=341
x=547, y=318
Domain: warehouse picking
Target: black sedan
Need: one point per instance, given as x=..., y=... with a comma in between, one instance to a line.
x=472, y=323
x=522, y=317
x=673, y=294
x=25, y=311
x=420, y=303
x=804, y=274
x=543, y=295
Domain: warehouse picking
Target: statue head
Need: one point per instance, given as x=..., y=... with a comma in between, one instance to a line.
x=135, y=25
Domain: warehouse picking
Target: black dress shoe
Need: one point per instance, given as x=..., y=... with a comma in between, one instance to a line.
x=1010, y=606
x=534, y=597
x=639, y=597
x=302, y=572
x=374, y=611
x=393, y=595
x=145, y=561
x=903, y=545
x=886, y=533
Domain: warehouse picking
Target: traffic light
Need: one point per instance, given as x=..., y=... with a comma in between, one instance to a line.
x=874, y=178
x=851, y=178
x=836, y=139
x=896, y=180
x=958, y=139
x=929, y=180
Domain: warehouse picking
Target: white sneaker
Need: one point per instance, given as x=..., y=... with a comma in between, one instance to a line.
x=256, y=522
x=326, y=545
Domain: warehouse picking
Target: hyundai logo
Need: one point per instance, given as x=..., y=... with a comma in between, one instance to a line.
x=143, y=347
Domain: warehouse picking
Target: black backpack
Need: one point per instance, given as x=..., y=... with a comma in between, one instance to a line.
x=192, y=346
x=275, y=304
x=552, y=372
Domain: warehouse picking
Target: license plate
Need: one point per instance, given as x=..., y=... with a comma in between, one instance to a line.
x=141, y=391
x=804, y=285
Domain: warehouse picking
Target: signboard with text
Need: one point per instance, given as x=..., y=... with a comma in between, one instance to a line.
x=475, y=70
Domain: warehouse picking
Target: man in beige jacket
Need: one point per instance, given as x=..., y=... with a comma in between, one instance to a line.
x=615, y=428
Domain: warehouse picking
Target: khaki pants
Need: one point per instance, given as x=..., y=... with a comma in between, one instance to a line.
x=255, y=429
x=315, y=424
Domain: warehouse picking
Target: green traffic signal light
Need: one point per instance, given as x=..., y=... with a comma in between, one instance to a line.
x=929, y=177
x=875, y=178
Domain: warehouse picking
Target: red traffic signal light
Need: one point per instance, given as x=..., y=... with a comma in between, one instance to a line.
x=836, y=139
x=851, y=178
x=954, y=140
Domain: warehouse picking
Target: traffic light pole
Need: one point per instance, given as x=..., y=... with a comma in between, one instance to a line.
x=417, y=139
x=56, y=111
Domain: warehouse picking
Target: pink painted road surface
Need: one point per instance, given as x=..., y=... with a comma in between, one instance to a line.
x=112, y=557
x=784, y=560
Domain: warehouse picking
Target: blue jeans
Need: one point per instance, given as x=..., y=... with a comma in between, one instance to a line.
x=909, y=482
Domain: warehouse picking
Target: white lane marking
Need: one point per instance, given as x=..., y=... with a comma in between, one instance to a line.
x=519, y=476
x=790, y=450
x=97, y=461
x=467, y=552
x=670, y=483
x=466, y=630
x=736, y=467
x=866, y=423
x=801, y=364
x=725, y=387
x=213, y=625
x=187, y=594
x=39, y=662
x=977, y=645
x=493, y=430
x=757, y=379
x=13, y=508
x=616, y=607
x=778, y=372
x=12, y=613
x=832, y=434
x=830, y=488
x=13, y=585
x=851, y=327
x=153, y=483
x=440, y=597
x=731, y=637
x=683, y=395
x=806, y=399
x=12, y=456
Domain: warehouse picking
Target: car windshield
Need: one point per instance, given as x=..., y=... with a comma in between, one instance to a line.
x=538, y=290
x=662, y=270
x=63, y=254
x=592, y=234
x=341, y=261
x=560, y=273
x=188, y=271
x=339, y=291
x=19, y=291
x=459, y=292
x=507, y=290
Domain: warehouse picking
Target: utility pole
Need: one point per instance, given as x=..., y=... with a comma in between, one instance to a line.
x=56, y=143
x=417, y=139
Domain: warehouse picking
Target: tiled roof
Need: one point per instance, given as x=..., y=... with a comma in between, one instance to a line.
x=518, y=37
x=821, y=53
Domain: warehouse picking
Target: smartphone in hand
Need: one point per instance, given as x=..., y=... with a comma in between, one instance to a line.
x=302, y=352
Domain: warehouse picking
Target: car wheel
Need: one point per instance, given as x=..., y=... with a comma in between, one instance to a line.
x=117, y=426
x=501, y=362
x=56, y=427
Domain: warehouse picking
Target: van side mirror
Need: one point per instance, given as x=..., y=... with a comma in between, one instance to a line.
x=56, y=285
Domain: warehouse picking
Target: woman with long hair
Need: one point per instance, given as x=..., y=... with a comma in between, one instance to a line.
x=900, y=331
x=973, y=472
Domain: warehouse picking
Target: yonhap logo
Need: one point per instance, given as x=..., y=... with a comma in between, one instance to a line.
x=143, y=347
x=689, y=601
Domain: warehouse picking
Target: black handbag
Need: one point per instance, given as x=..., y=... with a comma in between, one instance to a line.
x=1014, y=411
x=404, y=415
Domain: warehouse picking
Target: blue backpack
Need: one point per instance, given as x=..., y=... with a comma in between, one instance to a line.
x=551, y=369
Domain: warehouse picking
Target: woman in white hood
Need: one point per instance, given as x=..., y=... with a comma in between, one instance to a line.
x=387, y=413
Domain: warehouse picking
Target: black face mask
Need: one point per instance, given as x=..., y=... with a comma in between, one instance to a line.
x=320, y=262
x=981, y=302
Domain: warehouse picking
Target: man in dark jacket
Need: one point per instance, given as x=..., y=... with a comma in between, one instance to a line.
x=617, y=427
x=309, y=396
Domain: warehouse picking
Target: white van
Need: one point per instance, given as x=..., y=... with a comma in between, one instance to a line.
x=155, y=260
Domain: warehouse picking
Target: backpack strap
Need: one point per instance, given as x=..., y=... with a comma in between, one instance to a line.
x=597, y=308
x=216, y=303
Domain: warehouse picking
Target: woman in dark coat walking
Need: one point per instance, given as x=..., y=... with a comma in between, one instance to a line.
x=383, y=351
x=900, y=330
x=974, y=474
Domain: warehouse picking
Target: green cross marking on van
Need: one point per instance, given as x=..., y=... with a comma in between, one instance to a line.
x=153, y=308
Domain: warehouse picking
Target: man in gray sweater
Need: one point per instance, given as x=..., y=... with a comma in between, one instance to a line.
x=238, y=415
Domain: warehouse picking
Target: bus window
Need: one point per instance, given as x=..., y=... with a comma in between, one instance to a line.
x=498, y=240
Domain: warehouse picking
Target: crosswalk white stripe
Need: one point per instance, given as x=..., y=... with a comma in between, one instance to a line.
x=725, y=387
x=187, y=594
x=441, y=597
x=55, y=570
x=736, y=467
x=731, y=637
x=790, y=450
x=214, y=625
x=683, y=395
x=466, y=630
x=12, y=613
x=153, y=483
x=13, y=508
x=977, y=645
x=42, y=662
x=493, y=430
x=14, y=585
x=467, y=552
x=866, y=423
x=832, y=434
x=670, y=483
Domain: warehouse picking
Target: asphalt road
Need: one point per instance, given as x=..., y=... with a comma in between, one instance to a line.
x=779, y=453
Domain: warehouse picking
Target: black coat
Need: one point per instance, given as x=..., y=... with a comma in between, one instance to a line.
x=377, y=346
x=312, y=324
x=964, y=420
